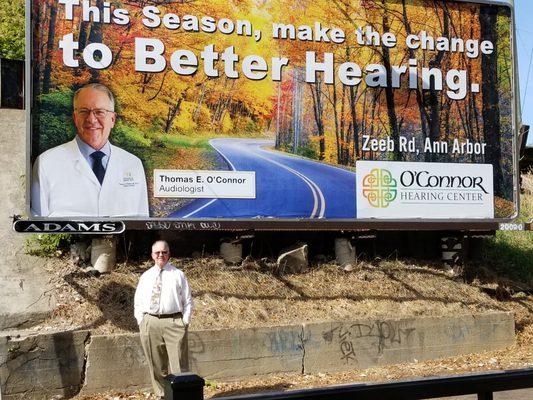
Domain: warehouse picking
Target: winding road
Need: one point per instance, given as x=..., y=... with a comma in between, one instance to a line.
x=286, y=186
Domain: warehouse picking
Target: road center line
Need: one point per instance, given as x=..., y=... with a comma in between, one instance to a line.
x=311, y=182
x=312, y=185
x=318, y=197
x=200, y=208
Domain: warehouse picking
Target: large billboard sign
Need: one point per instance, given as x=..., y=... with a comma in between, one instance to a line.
x=282, y=110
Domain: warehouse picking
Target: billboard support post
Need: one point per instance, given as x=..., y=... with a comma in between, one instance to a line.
x=345, y=254
x=231, y=251
x=104, y=253
x=452, y=252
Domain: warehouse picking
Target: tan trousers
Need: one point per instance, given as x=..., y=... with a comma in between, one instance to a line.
x=163, y=341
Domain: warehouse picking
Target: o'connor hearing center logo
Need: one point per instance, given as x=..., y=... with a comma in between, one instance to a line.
x=379, y=188
x=400, y=190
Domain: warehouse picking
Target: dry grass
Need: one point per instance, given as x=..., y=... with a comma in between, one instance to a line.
x=527, y=184
x=526, y=198
x=249, y=297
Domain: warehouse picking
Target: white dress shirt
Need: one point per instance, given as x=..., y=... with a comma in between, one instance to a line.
x=175, y=293
x=87, y=150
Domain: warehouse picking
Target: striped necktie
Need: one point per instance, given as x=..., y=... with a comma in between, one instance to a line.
x=156, y=294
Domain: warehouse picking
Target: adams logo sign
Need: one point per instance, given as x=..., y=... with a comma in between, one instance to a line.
x=401, y=190
x=88, y=227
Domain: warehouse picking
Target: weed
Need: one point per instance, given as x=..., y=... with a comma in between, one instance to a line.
x=49, y=245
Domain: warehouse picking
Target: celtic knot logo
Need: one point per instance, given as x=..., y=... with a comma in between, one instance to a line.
x=379, y=188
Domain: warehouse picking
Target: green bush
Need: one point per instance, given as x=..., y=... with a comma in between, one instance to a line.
x=55, y=130
x=57, y=103
x=185, y=141
x=510, y=254
x=12, y=29
x=308, y=152
x=49, y=245
x=129, y=138
x=54, y=121
x=304, y=151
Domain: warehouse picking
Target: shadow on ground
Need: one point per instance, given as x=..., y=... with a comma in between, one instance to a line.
x=113, y=299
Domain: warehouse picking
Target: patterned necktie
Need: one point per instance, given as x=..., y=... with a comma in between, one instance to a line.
x=98, y=168
x=156, y=294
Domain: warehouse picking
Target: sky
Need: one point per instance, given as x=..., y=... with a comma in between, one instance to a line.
x=524, y=44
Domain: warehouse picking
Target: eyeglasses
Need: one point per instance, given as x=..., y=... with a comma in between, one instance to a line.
x=99, y=113
x=160, y=252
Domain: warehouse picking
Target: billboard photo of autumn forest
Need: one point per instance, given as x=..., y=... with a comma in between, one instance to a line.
x=296, y=91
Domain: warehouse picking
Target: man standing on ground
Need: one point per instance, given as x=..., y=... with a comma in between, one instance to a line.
x=163, y=310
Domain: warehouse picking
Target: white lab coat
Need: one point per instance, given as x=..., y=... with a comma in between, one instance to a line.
x=64, y=185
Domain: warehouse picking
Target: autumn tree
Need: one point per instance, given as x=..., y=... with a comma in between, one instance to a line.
x=12, y=29
x=491, y=111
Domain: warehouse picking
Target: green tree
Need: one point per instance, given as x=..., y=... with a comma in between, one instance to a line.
x=12, y=29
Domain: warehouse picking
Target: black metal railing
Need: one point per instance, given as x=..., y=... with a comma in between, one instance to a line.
x=190, y=387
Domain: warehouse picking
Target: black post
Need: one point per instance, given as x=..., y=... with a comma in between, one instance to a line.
x=184, y=386
x=485, y=396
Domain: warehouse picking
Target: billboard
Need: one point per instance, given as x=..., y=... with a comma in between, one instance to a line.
x=280, y=110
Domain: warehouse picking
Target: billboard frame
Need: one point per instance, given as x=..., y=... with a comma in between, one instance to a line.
x=297, y=224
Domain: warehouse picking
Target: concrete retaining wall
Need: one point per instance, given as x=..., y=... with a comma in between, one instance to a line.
x=231, y=353
x=38, y=367
x=42, y=366
x=363, y=344
x=115, y=361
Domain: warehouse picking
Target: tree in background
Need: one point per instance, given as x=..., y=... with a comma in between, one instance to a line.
x=491, y=111
x=12, y=29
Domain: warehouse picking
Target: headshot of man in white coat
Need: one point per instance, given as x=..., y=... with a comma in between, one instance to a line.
x=88, y=176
